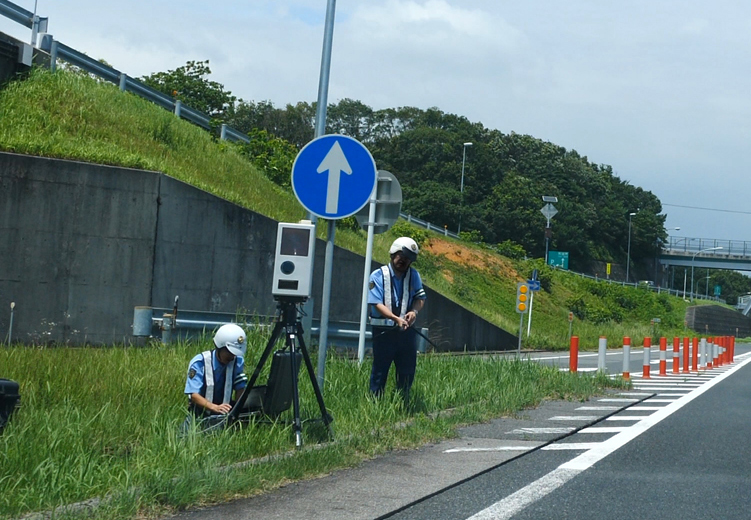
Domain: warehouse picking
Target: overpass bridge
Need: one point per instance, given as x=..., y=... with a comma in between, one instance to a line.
x=708, y=253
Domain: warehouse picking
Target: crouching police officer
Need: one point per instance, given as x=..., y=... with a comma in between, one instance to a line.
x=395, y=297
x=213, y=376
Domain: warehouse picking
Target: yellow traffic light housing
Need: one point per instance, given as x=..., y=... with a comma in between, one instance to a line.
x=522, y=298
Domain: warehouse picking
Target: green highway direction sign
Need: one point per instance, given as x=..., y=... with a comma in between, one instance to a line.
x=558, y=259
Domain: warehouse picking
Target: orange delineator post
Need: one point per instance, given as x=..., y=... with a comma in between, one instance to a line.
x=694, y=355
x=626, y=357
x=721, y=350
x=732, y=349
x=676, y=355
x=573, y=360
x=647, y=350
x=685, y=355
x=663, y=356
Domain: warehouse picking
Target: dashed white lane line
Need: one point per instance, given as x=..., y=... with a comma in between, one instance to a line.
x=560, y=446
x=604, y=429
x=574, y=418
x=512, y=504
x=496, y=448
x=541, y=431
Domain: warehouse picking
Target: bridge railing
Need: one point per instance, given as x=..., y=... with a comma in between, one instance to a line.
x=688, y=245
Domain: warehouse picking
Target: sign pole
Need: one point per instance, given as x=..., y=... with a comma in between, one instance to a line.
x=323, y=94
x=529, y=319
x=366, y=276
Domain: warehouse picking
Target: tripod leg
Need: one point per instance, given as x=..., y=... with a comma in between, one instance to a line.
x=327, y=420
x=257, y=372
x=295, y=387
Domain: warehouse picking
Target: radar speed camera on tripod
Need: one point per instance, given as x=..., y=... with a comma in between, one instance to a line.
x=292, y=283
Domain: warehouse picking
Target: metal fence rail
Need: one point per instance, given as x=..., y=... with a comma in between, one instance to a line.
x=687, y=245
x=59, y=50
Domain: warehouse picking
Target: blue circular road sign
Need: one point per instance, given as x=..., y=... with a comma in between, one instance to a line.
x=334, y=176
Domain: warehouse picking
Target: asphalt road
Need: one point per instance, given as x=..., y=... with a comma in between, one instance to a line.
x=684, y=453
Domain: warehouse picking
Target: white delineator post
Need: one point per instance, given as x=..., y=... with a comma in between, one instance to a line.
x=602, y=348
x=626, y=357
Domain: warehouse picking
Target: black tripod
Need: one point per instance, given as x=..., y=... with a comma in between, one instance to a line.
x=288, y=321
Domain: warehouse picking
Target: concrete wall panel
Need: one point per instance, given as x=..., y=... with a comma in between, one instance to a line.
x=82, y=245
x=77, y=248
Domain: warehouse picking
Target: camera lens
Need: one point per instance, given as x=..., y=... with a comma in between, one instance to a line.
x=287, y=267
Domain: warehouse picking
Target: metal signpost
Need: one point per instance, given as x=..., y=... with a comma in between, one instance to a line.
x=549, y=211
x=534, y=286
x=382, y=212
x=333, y=177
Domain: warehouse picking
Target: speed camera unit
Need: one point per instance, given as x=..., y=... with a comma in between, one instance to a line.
x=293, y=262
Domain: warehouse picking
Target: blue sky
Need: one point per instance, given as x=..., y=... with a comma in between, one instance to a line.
x=659, y=90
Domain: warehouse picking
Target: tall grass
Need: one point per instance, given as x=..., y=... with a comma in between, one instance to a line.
x=104, y=423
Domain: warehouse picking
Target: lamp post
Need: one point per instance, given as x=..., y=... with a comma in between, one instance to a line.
x=461, y=187
x=692, y=266
x=628, y=249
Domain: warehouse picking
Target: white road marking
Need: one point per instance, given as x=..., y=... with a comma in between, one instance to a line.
x=604, y=429
x=600, y=408
x=617, y=400
x=497, y=448
x=542, y=430
x=560, y=446
x=574, y=418
x=626, y=417
x=512, y=504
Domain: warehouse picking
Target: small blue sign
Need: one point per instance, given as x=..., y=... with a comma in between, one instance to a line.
x=534, y=285
x=334, y=176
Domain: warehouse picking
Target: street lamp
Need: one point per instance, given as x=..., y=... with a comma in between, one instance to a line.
x=692, y=266
x=628, y=250
x=461, y=188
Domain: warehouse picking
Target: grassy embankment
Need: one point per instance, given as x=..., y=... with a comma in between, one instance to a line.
x=71, y=116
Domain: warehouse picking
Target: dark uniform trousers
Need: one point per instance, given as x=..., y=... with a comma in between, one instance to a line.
x=393, y=345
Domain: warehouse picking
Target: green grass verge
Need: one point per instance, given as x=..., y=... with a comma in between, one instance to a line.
x=103, y=422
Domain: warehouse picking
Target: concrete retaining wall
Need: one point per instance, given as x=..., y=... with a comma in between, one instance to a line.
x=719, y=321
x=81, y=245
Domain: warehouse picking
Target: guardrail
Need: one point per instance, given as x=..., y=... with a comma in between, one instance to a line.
x=427, y=225
x=688, y=245
x=58, y=50
x=155, y=322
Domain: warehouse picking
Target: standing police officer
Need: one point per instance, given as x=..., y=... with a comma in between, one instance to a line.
x=395, y=297
x=214, y=374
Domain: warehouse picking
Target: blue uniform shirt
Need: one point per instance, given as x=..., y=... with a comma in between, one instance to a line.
x=196, y=382
x=375, y=292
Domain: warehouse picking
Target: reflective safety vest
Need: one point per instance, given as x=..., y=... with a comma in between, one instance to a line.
x=209, y=377
x=388, y=299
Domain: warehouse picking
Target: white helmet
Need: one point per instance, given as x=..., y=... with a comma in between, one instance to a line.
x=405, y=245
x=233, y=337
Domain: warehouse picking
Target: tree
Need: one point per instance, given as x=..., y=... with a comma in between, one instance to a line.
x=189, y=84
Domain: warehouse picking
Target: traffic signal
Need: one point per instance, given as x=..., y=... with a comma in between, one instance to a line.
x=522, y=297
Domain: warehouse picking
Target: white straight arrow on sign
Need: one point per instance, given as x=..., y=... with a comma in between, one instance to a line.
x=335, y=163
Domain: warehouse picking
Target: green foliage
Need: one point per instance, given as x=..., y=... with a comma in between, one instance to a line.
x=190, y=85
x=471, y=236
x=272, y=155
x=511, y=249
x=402, y=228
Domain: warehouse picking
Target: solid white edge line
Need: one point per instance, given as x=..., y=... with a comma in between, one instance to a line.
x=531, y=493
